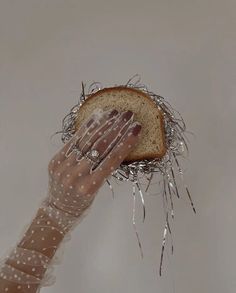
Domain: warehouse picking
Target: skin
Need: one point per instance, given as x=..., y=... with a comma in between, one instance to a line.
x=74, y=178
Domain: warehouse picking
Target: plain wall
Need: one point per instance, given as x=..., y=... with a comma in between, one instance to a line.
x=183, y=50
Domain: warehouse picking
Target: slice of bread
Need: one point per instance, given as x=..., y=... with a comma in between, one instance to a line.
x=152, y=141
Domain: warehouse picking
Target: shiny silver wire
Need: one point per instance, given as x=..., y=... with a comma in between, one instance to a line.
x=168, y=166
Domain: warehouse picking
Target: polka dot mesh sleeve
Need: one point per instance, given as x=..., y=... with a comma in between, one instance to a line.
x=74, y=180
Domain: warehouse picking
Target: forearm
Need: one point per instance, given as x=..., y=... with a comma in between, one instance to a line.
x=34, y=252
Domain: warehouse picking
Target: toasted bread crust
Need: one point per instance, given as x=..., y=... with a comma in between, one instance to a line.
x=135, y=157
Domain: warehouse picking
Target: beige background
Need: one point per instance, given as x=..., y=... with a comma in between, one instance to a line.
x=185, y=51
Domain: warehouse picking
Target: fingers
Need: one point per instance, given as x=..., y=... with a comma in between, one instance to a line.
x=96, y=118
x=105, y=143
x=113, y=160
x=97, y=129
x=76, y=157
x=111, y=135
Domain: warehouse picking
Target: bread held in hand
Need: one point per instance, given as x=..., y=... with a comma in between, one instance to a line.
x=152, y=141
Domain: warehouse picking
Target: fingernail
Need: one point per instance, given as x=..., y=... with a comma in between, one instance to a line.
x=136, y=129
x=127, y=115
x=90, y=122
x=113, y=113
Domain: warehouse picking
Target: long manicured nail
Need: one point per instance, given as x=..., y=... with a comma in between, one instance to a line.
x=127, y=115
x=113, y=113
x=136, y=129
x=90, y=122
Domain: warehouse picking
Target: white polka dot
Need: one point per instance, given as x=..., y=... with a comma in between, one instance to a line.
x=19, y=287
x=71, y=186
x=58, y=174
x=94, y=182
x=53, y=160
x=74, y=201
x=100, y=168
x=54, y=238
x=58, y=162
x=68, y=193
x=68, y=164
x=82, y=186
x=42, y=229
x=129, y=146
x=112, y=168
x=88, y=195
x=105, y=140
x=120, y=157
x=58, y=198
x=130, y=133
x=18, y=262
x=6, y=289
x=43, y=238
x=80, y=174
x=48, y=222
x=77, y=195
x=68, y=175
x=63, y=153
x=100, y=133
x=32, y=232
x=121, y=143
x=32, y=241
x=29, y=258
x=62, y=185
x=51, y=171
x=33, y=269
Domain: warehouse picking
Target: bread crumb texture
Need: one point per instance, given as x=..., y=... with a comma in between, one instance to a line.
x=151, y=143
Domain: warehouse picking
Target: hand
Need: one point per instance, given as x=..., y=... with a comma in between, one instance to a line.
x=73, y=182
x=74, y=179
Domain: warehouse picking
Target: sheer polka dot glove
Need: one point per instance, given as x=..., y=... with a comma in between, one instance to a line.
x=74, y=179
